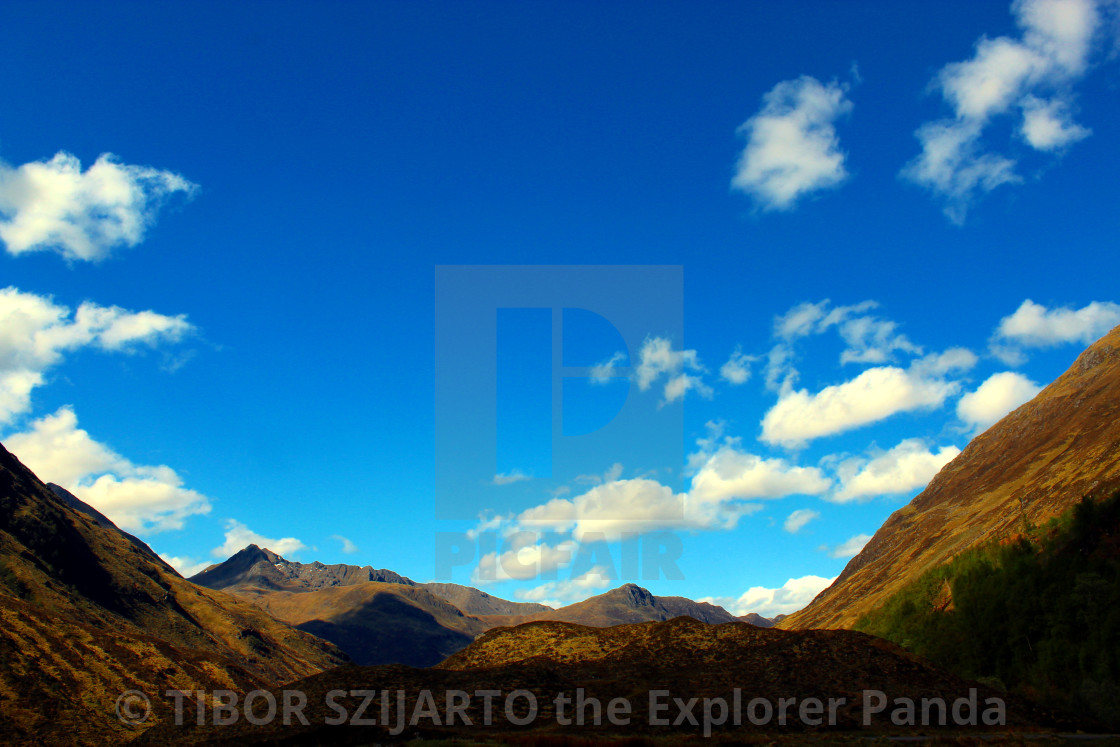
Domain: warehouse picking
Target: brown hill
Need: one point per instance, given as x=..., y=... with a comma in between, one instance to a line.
x=86, y=614
x=683, y=657
x=1032, y=465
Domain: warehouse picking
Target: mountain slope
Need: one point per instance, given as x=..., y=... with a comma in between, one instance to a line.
x=87, y=613
x=376, y=623
x=473, y=601
x=1027, y=468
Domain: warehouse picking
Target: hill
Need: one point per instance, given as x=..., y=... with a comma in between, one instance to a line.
x=86, y=613
x=681, y=659
x=1029, y=467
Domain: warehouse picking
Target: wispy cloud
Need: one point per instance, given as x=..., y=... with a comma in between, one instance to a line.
x=680, y=369
x=509, y=478
x=348, y=547
x=1028, y=78
x=797, y=520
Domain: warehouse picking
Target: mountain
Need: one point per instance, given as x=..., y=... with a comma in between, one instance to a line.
x=86, y=613
x=631, y=603
x=375, y=616
x=256, y=568
x=753, y=618
x=681, y=658
x=473, y=601
x=1031, y=466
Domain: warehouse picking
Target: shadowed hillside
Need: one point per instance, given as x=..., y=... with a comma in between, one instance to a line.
x=683, y=657
x=376, y=623
x=1027, y=468
x=86, y=613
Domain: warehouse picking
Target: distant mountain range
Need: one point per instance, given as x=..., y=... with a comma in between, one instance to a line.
x=1031, y=466
x=381, y=617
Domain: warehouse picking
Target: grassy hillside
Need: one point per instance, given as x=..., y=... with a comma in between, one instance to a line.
x=1038, y=615
x=1034, y=464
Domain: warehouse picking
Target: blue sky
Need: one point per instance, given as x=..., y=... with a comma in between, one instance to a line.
x=822, y=244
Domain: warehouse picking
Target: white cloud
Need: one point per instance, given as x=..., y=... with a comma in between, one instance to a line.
x=560, y=593
x=137, y=498
x=873, y=340
x=792, y=148
x=1047, y=125
x=907, y=467
x=186, y=566
x=851, y=547
x=348, y=547
x=868, y=338
x=1033, y=73
x=1035, y=326
x=525, y=559
x=731, y=474
x=610, y=508
x=35, y=332
x=657, y=358
x=786, y=599
x=723, y=481
x=737, y=369
x=602, y=373
x=239, y=536
x=874, y=395
x=54, y=205
x=508, y=478
x=799, y=518
x=998, y=395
